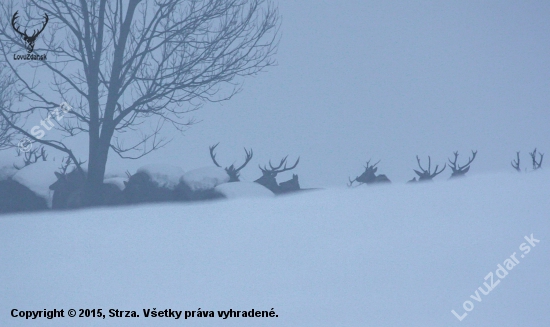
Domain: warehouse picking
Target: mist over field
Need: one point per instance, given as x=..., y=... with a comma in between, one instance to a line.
x=334, y=93
x=388, y=81
x=382, y=80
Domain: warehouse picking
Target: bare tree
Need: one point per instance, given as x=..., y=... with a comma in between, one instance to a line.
x=31, y=156
x=7, y=135
x=130, y=67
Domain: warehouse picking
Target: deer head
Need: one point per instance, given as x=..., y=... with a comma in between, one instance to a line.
x=458, y=170
x=427, y=175
x=369, y=176
x=268, y=175
x=29, y=40
x=231, y=170
x=65, y=186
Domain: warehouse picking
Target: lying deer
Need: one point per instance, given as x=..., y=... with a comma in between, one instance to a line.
x=369, y=176
x=269, y=175
x=460, y=171
x=426, y=175
x=231, y=170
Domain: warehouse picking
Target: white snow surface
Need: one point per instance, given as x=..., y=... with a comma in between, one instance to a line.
x=205, y=178
x=243, y=190
x=163, y=175
x=396, y=255
x=38, y=177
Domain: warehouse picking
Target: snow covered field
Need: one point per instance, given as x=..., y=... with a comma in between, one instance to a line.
x=396, y=255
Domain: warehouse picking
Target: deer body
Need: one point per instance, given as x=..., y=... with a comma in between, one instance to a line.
x=141, y=188
x=70, y=192
x=15, y=197
x=369, y=176
x=291, y=185
x=269, y=180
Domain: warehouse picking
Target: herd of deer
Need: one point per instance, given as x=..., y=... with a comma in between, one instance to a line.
x=269, y=175
x=369, y=175
x=68, y=190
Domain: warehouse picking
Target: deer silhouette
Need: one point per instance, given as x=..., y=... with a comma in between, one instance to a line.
x=269, y=175
x=231, y=170
x=369, y=176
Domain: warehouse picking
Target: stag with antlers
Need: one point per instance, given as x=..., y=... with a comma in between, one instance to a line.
x=269, y=174
x=536, y=165
x=231, y=170
x=369, y=176
x=427, y=175
x=460, y=171
x=29, y=40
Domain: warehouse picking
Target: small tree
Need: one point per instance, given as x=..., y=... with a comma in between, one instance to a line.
x=6, y=98
x=122, y=64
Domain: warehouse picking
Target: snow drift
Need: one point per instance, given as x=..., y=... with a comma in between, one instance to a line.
x=397, y=255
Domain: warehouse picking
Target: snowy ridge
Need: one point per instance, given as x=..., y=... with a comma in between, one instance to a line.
x=117, y=181
x=38, y=177
x=205, y=178
x=163, y=175
x=399, y=255
x=243, y=190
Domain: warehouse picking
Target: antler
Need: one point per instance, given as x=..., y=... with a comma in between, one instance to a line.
x=351, y=181
x=31, y=157
x=37, y=32
x=65, y=165
x=536, y=165
x=427, y=174
x=13, y=19
x=429, y=165
x=231, y=170
x=515, y=163
x=249, y=155
x=461, y=170
x=46, y=19
x=373, y=167
x=278, y=169
x=212, y=155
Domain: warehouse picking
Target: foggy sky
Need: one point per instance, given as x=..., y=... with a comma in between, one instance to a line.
x=385, y=80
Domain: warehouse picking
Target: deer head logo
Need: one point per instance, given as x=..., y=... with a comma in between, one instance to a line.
x=28, y=39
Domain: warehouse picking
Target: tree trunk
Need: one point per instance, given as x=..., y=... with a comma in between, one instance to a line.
x=96, y=172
